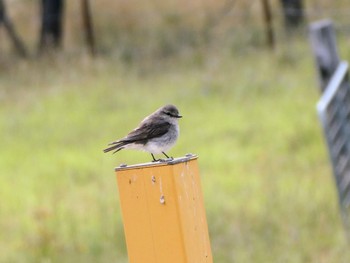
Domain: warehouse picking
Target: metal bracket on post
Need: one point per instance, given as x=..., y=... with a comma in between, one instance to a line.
x=163, y=212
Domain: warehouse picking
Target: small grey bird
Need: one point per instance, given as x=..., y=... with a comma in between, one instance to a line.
x=156, y=134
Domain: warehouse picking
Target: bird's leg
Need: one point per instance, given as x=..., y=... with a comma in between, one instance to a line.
x=167, y=156
x=154, y=159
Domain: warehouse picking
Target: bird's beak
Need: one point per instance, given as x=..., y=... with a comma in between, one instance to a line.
x=178, y=116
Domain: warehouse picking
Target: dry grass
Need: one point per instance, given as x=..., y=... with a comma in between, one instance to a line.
x=133, y=29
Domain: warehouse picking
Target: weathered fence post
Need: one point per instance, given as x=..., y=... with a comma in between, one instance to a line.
x=163, y=212
x=334, y=110
x=324, y=46
x=334, y=113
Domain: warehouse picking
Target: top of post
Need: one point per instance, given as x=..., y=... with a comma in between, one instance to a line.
x=186, y=158
x=321, y=24
x=324, y=46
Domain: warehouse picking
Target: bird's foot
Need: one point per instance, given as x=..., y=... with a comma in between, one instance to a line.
x=163, y=160
x=168, y=159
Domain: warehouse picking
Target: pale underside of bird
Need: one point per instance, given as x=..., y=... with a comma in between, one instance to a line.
x=156, y=134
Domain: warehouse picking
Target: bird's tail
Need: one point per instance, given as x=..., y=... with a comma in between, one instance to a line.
x=117, y=146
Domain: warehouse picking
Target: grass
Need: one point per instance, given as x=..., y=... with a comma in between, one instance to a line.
x=250, y=116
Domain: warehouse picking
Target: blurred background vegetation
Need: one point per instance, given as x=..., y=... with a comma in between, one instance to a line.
x=249, y=113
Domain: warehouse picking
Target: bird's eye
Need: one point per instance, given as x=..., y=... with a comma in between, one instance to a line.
x=167, y=113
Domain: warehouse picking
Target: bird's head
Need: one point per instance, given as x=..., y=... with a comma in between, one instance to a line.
x=170, y=111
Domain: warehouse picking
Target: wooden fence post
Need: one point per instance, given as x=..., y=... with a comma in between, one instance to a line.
x=334, y=113
x=323, y=42
x=163, y=212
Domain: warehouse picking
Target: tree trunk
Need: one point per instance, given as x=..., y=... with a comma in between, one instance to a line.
x=293, y=11
x=88, y=26
x=6, y=22
x=2, y=11
x=51, y=24
x=270, y=37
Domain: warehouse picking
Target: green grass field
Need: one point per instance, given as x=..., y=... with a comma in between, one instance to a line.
x=250, y=116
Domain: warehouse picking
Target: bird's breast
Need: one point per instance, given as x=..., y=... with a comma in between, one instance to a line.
x=163, y=143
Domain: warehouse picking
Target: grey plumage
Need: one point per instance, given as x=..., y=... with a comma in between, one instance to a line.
x=156, y=134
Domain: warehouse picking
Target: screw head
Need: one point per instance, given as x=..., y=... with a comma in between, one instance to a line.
x=162, y=199
x=123, y=165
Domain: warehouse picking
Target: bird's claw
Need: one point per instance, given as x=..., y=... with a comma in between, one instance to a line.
x=163, y=160
x=166, y=160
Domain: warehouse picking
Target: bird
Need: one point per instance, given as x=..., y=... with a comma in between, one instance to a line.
x=156, y=133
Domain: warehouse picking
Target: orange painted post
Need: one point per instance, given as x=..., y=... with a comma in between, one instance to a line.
x=163, y=212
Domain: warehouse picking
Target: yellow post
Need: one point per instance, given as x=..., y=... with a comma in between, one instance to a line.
x=163, y=212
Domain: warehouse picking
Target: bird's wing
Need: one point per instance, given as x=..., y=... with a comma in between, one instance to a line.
x=147, y=130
